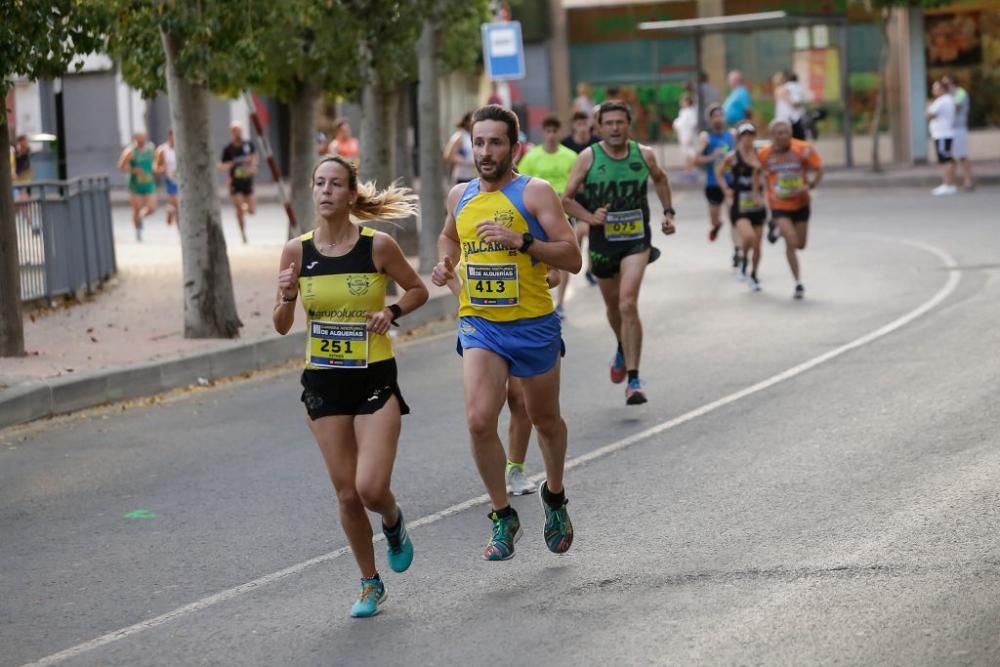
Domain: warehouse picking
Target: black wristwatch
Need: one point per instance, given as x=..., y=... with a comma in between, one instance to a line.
x=526, y=240
x=396, y=311
x=669, y=211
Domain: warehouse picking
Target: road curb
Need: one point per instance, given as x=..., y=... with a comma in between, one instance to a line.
x=47, y=398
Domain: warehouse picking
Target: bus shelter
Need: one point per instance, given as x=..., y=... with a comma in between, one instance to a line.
x=697, y=29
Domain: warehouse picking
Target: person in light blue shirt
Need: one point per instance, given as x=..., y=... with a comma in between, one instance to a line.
x=737, y=104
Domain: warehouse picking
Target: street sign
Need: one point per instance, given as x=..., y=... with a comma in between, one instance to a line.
x=503, y=51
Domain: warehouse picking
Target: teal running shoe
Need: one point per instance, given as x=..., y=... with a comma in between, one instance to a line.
x=506, y=532
x=372, y=595
x=400, y=548
x=558, y=530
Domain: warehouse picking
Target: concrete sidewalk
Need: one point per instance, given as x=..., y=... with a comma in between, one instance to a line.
x=126, y=341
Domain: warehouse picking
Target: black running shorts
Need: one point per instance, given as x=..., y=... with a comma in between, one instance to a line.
x=331, y=392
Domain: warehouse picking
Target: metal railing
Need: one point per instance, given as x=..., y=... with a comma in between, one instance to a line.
x=65, y=236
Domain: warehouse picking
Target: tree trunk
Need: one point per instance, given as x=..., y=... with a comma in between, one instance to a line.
x=11, y=326
x=402, y=157
x=880, y=93
x=302, y=154
x=209, y=305
x=376, y=159
x=432, y=210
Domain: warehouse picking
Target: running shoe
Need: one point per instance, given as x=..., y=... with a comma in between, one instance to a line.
x=558, y=529
x=800, y=291
x=944, y=190
x=754, y=284
x=399, y=551
x=618, y=371
x=713, y=233
x=372, y=595
x=772, y=232
x=634, y=394
x=506, y=532
x=517, y=482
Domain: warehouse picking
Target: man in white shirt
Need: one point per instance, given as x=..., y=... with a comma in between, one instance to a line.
x=960, y=141
x=941, y=121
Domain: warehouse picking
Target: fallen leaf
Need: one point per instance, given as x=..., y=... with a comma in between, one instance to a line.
x=93, y=340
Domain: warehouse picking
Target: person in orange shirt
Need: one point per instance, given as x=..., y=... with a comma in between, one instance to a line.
x=793, y=168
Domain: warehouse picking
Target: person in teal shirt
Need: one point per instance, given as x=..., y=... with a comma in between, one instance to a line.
x=737, y=104
x=137, y=161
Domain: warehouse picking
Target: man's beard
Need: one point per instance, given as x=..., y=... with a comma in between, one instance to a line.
x=616, y=142
x=501, y=169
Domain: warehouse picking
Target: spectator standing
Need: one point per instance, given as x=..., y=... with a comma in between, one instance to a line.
x=738, y=102
x=458, y=151
x=960, y=130
x=941, y=122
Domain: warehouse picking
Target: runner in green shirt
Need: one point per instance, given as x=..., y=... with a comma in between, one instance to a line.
x=551, y=162
x=137, y=161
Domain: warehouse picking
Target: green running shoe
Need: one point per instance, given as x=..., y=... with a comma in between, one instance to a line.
x=506, y=531
x=372, y=595
x=399, y=551
x=558, y=530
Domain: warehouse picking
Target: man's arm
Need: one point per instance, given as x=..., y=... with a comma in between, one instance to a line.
x=449, y=248
x=661, y=183
x=815, y=165
x=574, y=208
x=560, y=250
x=125, y=159
x=721, y=167
x=700, y=158
x=224, y=164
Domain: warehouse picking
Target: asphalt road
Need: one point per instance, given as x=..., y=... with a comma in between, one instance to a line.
x=844, y=512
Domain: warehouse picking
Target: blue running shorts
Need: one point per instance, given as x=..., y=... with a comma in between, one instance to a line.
x=531, y=346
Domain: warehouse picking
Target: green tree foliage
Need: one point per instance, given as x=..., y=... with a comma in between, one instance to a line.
x=219, y=43
x=461, y=44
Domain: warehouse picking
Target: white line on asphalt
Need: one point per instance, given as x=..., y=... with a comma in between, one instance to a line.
x=950, y=284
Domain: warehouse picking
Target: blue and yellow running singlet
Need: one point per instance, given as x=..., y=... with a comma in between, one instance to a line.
x=499, y=284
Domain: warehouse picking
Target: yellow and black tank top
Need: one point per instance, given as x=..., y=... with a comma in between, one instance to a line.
x=499, y=284
x=337, y=294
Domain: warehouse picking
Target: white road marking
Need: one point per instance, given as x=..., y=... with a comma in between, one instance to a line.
x=949, y=287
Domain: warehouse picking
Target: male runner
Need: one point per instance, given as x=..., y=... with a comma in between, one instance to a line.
x=613, y=175
x=137, y=161
x=552, y=162
x=713, y=145
x=239, y=158
x=502, y=230
x=788, y=164
x=166, y=166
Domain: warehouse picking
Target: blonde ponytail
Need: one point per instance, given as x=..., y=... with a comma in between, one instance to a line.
x=393, y=203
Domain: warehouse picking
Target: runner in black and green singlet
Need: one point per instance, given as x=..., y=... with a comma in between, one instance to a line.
x=607, y=190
